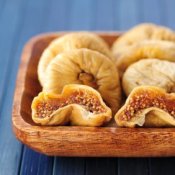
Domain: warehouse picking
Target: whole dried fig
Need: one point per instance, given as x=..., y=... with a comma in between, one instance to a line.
x=69, y=42
x=142, y=32
x=151, y=72
x=162, y=50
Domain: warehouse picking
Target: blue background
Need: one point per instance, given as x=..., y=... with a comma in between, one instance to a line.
x=22, y=19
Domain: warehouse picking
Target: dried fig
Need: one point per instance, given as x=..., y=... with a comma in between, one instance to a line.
x=147, y=106
x=143, y=32
x=84, y=66
x=68, y=42
x=151, y=72
x=162, y=50
x=77, y=104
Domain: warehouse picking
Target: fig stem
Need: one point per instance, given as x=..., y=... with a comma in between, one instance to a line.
x=88, y=79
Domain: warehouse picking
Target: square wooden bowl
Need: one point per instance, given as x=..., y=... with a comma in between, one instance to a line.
x=79, y=141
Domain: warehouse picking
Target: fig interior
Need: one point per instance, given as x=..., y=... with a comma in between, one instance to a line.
x=89, y=101
x=146, y=100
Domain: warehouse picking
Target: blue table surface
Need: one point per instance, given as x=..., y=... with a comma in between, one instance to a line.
x=22, y=19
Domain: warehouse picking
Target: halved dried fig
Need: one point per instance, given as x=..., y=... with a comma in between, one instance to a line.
x=69, y=42
x=151, y=72
x=163, y=50
x=143, y=32
x=84, y=66
x=147, y=106
x=77, y=104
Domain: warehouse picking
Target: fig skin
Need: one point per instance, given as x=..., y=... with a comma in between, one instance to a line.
x=152, y=72
x=64, y=108
x=162, y=50
x=84, y=66
x=147, y=106
x=143, y=31
x=68, y=42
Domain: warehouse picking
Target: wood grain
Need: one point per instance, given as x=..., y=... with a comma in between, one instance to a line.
x=78, y=141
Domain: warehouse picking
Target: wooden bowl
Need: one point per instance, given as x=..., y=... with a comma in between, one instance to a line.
x=108, y=141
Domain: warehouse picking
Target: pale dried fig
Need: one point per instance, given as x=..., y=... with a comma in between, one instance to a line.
x=147, y=106
x=143, y=32
x=162, y=50
x=151, y=72
x=69, y=42
x=77, y=104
